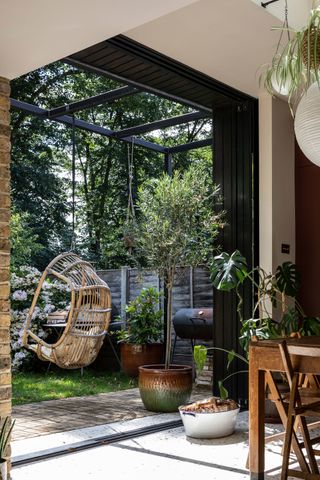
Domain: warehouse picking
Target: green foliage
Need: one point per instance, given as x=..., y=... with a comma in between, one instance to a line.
x=5, y=433
x=273, y=291
x=144, y=319
x=280, y=289
x=288, y=279
x=310, y=326
x=24, y=241
x=227, y=271
x=295, y=68
x=200, y=357
x=223, y=391
x=176, y=227
x=41, y=163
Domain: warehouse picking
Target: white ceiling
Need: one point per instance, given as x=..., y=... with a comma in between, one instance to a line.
x=36, y=32
x=298, y=10
x=227, y=39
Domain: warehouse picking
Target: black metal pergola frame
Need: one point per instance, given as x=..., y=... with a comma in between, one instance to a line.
x=235, y=145
x=65, y=115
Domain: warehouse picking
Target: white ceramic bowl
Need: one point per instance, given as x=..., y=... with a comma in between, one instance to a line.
x=208, y=425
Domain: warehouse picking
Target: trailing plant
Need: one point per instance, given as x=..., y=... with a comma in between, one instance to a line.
x=296, y=67
x=143, y=319
x=176, y=227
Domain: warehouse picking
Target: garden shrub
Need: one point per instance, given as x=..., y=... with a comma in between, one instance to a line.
x=54, y=296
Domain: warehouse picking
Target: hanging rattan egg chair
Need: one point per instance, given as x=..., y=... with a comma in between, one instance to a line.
x=86, y=319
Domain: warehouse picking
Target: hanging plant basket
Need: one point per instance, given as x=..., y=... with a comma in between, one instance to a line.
x=310, y=48
x=296, y=65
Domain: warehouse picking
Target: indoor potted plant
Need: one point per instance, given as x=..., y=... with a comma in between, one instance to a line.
x=276, y=311
x=176, y=227
x=5, y=433
x=141, y=339
x=295, y=66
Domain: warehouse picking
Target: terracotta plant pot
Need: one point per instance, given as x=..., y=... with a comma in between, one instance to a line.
x=164, y=390
x=133, y=356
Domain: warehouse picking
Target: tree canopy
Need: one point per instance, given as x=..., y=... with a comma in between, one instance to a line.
x=41, y=164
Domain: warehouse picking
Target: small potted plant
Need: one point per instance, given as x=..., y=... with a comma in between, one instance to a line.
x=4, y=441
x=176, y=227
x=141, y=340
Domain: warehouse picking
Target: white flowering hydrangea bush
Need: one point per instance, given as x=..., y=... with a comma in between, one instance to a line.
x=54, y=296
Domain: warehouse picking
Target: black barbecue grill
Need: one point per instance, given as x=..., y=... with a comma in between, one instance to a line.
x=193, y=324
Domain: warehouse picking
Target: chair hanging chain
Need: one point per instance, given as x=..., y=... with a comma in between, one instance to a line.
x=73, y=238
x=130, y=211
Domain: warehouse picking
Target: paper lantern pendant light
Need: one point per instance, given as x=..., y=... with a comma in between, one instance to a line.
x=307, y=124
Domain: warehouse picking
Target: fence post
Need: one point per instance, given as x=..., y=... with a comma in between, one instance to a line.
x=124, y=291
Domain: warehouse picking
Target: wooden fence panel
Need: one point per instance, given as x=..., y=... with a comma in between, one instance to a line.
x=192, y=289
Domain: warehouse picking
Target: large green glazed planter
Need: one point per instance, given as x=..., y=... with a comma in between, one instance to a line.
x=164, y=390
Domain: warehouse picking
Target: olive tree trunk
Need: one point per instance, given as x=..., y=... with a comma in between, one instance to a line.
x=170, y=279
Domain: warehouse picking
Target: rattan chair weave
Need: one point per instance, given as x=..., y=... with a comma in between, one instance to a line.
x=88, y=315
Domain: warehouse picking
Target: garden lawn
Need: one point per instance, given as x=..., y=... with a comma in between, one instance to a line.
x=34, y=387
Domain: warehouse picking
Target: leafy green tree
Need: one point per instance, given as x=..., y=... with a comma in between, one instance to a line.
x=41, y=166
x=23, y=241
x=177, y=227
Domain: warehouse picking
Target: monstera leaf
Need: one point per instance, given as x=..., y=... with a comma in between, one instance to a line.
x=288, y=279
x=228, y=270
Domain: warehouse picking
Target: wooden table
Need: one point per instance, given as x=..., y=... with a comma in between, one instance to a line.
x=265, y=358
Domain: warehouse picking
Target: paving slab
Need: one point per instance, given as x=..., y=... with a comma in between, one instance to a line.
x=159, y=455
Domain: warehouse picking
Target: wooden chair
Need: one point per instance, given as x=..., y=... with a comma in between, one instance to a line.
x=86, y=320
x=303, y=401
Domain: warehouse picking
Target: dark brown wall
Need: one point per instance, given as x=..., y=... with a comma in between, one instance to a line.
x=308, y=232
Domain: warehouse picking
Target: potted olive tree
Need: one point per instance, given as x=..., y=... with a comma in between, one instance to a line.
x=141, y=340
x=176, y=227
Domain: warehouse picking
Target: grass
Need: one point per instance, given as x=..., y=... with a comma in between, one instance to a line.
x=31, y=387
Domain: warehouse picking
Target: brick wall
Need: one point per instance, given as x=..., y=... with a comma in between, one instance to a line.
x=5, y=373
